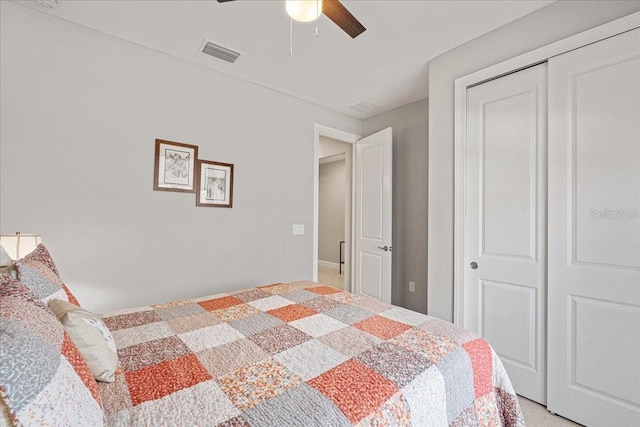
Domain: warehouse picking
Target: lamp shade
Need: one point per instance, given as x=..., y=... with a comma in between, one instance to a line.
x=18, y=245
x=5, y=259
x=304, y=10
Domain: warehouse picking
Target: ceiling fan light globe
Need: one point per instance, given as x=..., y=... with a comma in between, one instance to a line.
x=304, y=10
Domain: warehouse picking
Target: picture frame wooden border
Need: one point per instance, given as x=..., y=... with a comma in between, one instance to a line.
x=214, y=184
x=185, y=179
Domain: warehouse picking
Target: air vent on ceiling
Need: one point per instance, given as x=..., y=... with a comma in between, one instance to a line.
x=215, y=50
x=51, y=3
x=362, y=106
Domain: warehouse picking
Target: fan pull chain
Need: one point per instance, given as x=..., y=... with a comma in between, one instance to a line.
x=291, y=37
x=317, y=15
x=291, y=28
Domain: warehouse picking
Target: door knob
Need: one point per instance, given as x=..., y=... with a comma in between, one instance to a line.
x=474, y=265
x=384, y=248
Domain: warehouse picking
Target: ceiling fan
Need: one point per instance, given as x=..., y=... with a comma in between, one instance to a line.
x=332, y=9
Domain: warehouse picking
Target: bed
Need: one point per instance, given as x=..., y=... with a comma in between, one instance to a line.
x=284, y=354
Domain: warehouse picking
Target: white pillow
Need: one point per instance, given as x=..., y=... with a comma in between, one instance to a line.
x=91, y=336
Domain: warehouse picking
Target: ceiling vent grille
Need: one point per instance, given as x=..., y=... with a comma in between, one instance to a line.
x=362, y=106
x=50, y=3
x=219, y=52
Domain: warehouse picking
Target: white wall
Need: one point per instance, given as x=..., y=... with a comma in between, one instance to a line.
x=331, y=210
x=544, y=26
x=410, y=160
x=79, y=113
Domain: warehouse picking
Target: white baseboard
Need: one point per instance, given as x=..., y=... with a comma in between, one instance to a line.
x=328, y=264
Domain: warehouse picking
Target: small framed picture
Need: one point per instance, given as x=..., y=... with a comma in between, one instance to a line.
x=215, y=184
x=175, y=167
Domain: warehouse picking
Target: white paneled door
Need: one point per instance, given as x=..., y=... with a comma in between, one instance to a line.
x=594, y=233
x=505, y=223
x=373, y=198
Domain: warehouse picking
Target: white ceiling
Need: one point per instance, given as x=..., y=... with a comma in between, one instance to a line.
x=385, y=66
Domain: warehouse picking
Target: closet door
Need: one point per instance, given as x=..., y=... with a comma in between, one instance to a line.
x=504, y=224
x=594, y=233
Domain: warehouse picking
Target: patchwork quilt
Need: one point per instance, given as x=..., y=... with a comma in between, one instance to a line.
x=301, y=354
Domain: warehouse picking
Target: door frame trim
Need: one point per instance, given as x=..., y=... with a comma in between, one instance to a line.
x=461, y=85
x=350, y=138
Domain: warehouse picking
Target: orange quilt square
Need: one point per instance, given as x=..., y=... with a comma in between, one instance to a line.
x=289, y=313
x=156, y=381
x=482, y=364
x=354, y=388
x=382, y=327
x=324, y=290
x=219, y=303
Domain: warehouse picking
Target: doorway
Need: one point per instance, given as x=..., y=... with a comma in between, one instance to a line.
x=368, y=210
x=334, y=189
x=333, y=146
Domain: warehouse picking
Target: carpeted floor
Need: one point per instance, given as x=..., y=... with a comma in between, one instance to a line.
x=536, y=415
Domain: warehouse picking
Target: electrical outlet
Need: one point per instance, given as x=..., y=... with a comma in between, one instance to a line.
x=412, y=286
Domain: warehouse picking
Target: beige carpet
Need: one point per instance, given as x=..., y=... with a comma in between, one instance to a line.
x=536, y=415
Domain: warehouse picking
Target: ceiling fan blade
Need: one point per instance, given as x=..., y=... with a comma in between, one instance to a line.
x=339, y=14
x=223, y=1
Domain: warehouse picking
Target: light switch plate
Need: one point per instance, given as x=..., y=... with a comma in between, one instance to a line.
x=298, y=229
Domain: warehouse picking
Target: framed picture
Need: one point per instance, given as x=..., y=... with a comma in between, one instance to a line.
x=215, y=184
x=175, y=167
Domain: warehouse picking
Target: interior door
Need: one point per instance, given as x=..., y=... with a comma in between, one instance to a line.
x=504, y=225
x=594, y=233
x=373, y=201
